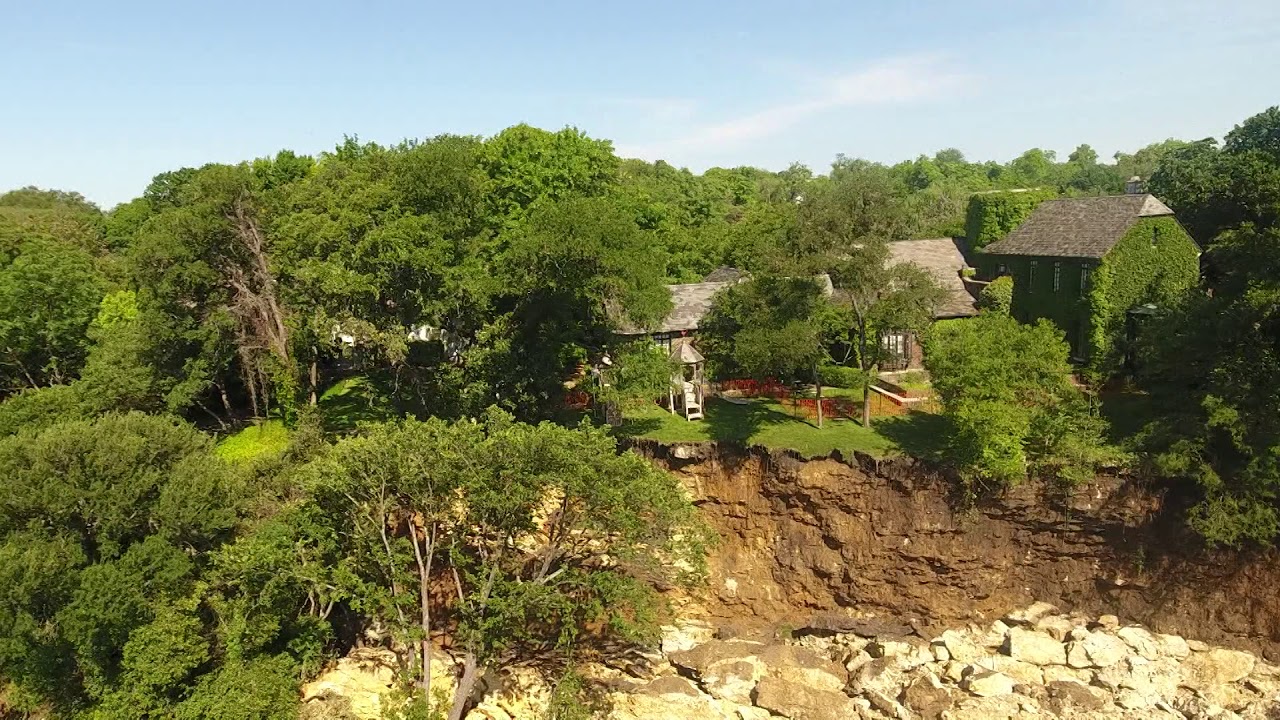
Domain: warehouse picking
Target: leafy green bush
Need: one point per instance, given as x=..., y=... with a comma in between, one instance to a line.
x=1006, y=391
x=992, y=215
x=997, y=296
x=840, y=376
x=108, y=530
x=641, y=372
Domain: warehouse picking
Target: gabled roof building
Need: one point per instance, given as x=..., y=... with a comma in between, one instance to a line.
x=1085, y=262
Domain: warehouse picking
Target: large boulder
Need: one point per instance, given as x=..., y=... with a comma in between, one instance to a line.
x=800, y=702
x=685, y=636
x=1140, y=640
x=1096, y=649
x=516, y=692
x=1173, y=646
x=699, y=658
x=909, y=652
x=1030, y=614
x=1207, y=670
x=1019, y=671
x=1056, y=626
x=1061, y=697
x=985, y=683
x=803, y=666
x=961, y=646
x=1155, y=680
x=733, y=680
x=881, y=675
x=669, y=697
x=997, y=707
x=1034, y=647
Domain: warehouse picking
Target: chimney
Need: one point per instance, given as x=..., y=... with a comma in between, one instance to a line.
x=1134, y=186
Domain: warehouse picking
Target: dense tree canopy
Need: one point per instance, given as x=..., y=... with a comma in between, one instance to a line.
x=465, y=285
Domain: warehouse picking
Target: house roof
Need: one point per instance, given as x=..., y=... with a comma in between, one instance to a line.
x=1078, y=227
x=724, y=273
x=944, y=259
x=691, y=301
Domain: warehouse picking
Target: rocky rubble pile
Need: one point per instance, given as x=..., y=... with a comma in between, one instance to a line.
x=1034, y=663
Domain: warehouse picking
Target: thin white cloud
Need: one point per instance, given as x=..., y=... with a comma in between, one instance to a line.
x=889, y=82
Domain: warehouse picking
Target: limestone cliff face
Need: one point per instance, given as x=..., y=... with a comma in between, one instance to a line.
x=819, y=535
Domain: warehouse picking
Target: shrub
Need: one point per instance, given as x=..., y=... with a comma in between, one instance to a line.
x=840, y=376
x=1007, y=394
x=997, y=296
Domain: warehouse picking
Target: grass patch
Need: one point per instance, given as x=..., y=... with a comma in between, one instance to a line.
x=760, y=422
x=352, y=401
x=269, y=437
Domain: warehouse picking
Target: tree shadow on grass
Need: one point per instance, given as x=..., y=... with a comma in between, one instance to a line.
x=732, y=422
x=634, y=427
x=919, y=434
x=354, y=401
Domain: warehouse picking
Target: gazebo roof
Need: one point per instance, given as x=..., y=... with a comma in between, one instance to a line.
x=682, y=350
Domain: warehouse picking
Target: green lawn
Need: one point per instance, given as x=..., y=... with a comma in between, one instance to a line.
x=269, y=437
x=770, y=423
x=351, y=401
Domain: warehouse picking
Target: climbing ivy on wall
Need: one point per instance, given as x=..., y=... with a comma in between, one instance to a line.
x=1153, y=263
x=993, y=215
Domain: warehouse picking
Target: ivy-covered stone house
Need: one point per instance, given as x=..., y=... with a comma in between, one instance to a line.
x=1085, y=262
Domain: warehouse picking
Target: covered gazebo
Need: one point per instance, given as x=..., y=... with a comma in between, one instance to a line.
x=686, y=392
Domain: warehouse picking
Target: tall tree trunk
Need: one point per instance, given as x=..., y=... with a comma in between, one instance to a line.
x=424, y=599
x=866, y=402
x=315, y=378
x=466, y=684
x=226, y=402
x=252, y=383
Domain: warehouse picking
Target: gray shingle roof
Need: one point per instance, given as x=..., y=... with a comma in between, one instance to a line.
x=1078, y=227
x=943, y=258
x=689, y=303
x=724, y=273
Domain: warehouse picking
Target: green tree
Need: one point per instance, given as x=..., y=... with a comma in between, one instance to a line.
x=527, y=165
x=772, y=326
x=997, y=297
x=572, y=272
x=1007, y=394
x=639, y=372
x=49, y=292
x=103, y=526
x=1212, y=367
x=418, y=502
x=844, y=232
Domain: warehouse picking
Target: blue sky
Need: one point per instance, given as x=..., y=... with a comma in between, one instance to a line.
x=99, y=97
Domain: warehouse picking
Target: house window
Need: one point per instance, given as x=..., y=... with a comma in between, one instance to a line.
x=1002, y=269
x=896, y=346
x=1031, y=278
x=1084, y=279
x=1057, y=276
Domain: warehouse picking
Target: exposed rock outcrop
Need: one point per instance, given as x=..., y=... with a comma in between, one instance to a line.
x=833, y=676
x=809, y=537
